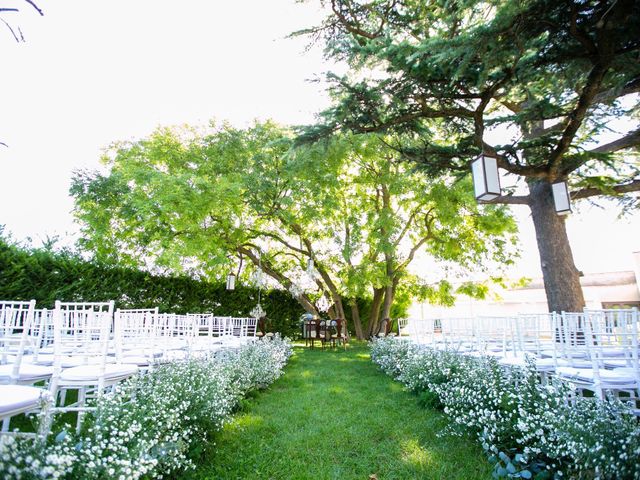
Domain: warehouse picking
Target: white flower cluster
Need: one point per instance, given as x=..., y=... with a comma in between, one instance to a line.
x=152, y=425
x=528, y=428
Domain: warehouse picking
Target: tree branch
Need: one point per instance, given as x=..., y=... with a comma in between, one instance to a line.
x=632, y=139
x=633, y=86
x=30, y=2
x=509, y=200
x=279, y=277
x=576, y=117
x=632, y=186
x=355, y=29
x=10, y=29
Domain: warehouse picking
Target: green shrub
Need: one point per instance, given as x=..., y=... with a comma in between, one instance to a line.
x=46, y=276
x=528, y=429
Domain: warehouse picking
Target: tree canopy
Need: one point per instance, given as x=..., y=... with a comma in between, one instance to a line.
x=225, y=199
x=547, y=87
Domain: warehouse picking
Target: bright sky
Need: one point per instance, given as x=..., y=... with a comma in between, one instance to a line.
x=92, y=72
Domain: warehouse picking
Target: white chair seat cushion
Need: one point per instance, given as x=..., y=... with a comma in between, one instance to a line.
x=558, y=353
x=172, y=355
x=66, y=361
x=617, y=376
x=542, y=364
x=42, y=359
x=87, y=373
x=140, y=360
x=146, y=352
x=27, y=372
x=63, y=349
x=609, y=352
x=18, y=397
x=618, y=363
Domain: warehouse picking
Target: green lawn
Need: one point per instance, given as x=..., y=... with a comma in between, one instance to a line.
x=333, y=415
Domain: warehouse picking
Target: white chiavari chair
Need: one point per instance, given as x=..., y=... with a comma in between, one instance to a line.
x=17, y=344
x=172, y=337
x=136, y=333
x=530, y=336
x=601, y=341
x=16, y=394
x=83, y=331
x=457, y=334
x=422, y=331
x=250, y=328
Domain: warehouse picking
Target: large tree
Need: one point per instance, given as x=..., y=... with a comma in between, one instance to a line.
x=208, y=202
x=548, y=78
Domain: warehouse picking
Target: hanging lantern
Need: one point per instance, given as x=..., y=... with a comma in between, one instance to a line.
x=561, y=198
x=486, y=181
x=257, y=311
x=231, y=281
x=323, y=304
x=310, y=265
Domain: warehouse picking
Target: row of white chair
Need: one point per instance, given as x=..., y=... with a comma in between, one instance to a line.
x=89, y=348
x=595, y=350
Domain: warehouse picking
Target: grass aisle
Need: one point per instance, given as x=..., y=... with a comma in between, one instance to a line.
x=333, y=415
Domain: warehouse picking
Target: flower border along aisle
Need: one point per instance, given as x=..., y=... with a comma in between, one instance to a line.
x=153, y=424
x=528, y=429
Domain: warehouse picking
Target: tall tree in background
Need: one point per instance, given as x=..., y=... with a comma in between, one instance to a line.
x=552, y=76
x=205, y=202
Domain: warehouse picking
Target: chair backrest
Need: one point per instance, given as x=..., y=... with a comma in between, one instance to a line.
x=82, y=330
x=612, y=334
x=203, y=324
x=249, y=326
x=569, y=336
x=16, y=320
x=403, y=324
x=309, y=329
x=421, y=331
x=136, y=328
x=456, y=332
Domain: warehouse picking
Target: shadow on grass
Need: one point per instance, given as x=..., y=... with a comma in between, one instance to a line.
x=333, y=415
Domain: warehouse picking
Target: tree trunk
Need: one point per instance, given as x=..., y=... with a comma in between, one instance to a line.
x=388, y=301
x=355, y=317
x=561, y=277
x=389, y=297
x=374, y=315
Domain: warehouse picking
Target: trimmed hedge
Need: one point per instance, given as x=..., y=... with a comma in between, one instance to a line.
x=47, y=276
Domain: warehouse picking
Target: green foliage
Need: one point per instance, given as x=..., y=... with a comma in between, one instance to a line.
x=152, y=425
x=205, y=202
x=47, y=276
x=527, y=428
x=441, y=76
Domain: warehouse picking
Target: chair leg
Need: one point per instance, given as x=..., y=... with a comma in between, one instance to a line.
x=82, y=393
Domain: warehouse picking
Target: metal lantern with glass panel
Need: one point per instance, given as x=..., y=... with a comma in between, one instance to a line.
x=561, y=198
x=231, y=281
x=486, y=181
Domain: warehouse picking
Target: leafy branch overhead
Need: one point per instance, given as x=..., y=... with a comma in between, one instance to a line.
x=241, y=200
x=441, y=77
